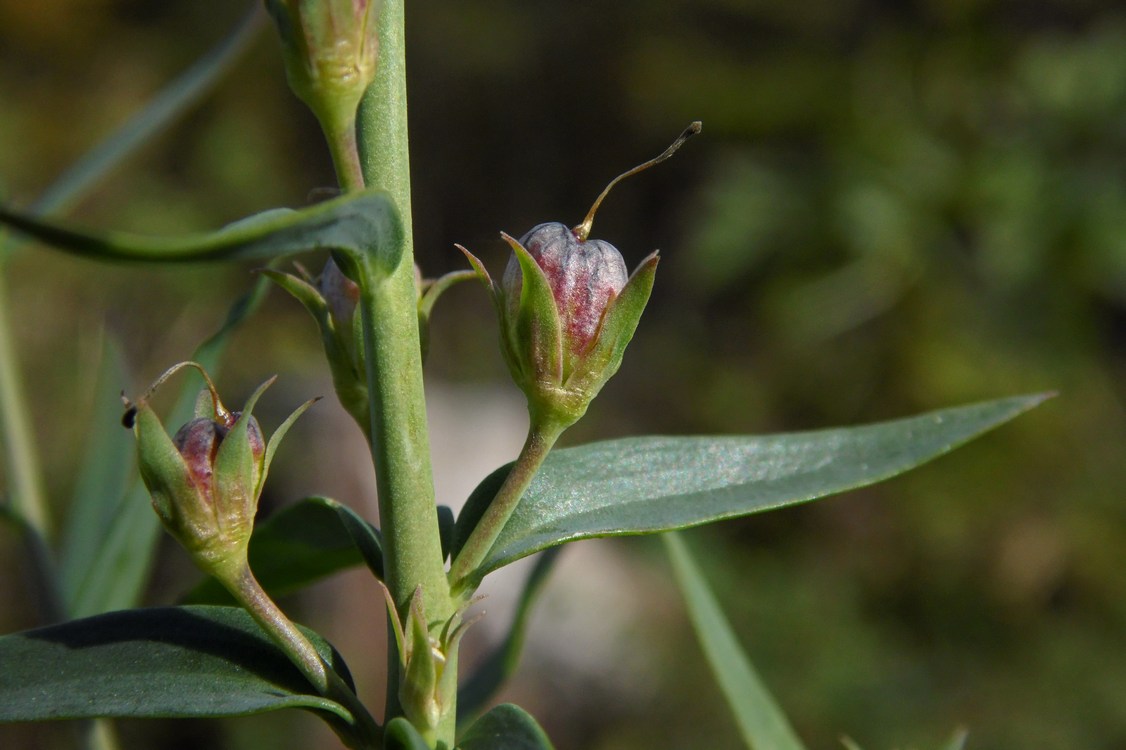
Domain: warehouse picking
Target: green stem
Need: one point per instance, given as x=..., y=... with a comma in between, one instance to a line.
x=463, y=571
x=389, y=302
x=408, y=515
x=382, y=118
x=364, y=733
x=342, y=144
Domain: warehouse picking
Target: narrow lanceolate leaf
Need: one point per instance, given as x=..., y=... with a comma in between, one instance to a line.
x=301, y=544
x=506, y=727
x=162, y=662
x=361, y=222
x=761, y=722
x=651, y=484
x=502, y=661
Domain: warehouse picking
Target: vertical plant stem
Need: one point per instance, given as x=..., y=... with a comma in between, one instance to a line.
x=365, y=733
x=538, y=444
x=400, y=448
x=389, y=305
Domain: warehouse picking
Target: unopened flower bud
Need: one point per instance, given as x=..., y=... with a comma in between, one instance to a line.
x=205, y=482
x=330, y=49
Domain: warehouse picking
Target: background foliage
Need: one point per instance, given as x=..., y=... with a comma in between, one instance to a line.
x=895, y=207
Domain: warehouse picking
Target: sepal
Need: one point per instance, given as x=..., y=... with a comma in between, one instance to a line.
x=332, y=301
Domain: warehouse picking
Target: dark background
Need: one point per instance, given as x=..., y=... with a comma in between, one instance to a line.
x=893, y=207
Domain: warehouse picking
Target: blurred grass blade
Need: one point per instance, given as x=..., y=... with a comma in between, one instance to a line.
x=761, y=722
x=359, y=222
x=506, y=727
x=159, y=662
x=102, y=481
x=173, y=101
x=651, y=484
x=957, y=741
x=502, y=661
x=299, y=545
x=115, y=575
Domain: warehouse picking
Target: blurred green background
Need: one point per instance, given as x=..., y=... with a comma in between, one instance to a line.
x=894, y=207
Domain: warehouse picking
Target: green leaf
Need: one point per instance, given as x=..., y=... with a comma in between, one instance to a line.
x=651, y=484
x=506, y=727
x=148, y=663
x=115, y=577
x=446, y=523
x=761, y=722
x=502, y=661
x=362, y=222
x=173, y=101
x=301, y=544
x=400, y=734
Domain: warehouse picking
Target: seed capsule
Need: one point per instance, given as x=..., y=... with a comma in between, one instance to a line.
x=205, y=481
x=568, y=309
x=585, y=277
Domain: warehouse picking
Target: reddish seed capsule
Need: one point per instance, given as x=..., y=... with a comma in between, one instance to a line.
x=205, y=481
x=585, y=277
x=568, y=308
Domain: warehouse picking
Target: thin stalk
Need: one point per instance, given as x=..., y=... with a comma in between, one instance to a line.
x=389, y=302
x=342, y=144
x=463, y=575
x=365, y=734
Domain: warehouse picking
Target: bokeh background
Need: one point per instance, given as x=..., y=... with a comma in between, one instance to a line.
x=894, y=207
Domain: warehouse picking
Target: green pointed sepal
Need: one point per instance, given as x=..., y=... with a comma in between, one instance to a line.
x=619, y=323
x=429, y=290
x=342, y=339
x=427, y=690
